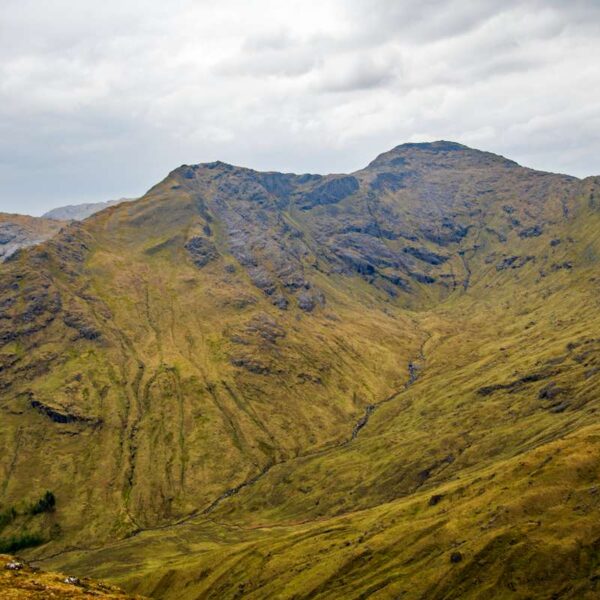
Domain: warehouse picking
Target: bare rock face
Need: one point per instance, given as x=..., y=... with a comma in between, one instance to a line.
x=202, y=251
x=401, y=223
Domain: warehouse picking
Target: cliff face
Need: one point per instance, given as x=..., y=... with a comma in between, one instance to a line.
x=351, y=359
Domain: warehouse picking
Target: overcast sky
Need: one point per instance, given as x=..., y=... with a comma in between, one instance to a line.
x=101, y=99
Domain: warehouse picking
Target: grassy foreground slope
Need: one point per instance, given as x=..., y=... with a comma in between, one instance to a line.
x=381, y=384
x=20, y=581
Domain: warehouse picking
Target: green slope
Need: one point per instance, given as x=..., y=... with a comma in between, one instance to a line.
x=330, y=384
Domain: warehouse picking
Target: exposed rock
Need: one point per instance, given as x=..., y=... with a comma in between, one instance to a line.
x=449, y=232
x=426, y=255
x=514, y=262
x=517, y=384
x=308, y=300
x=549, y=391
x=390, y=181
x=559, y=408
x=280, y=301
x=201, y=250
x=250, y=364
x=263, y=327
x=422, y=277
x=567, y=266
x=62, y=416
x=534, y=231
x=435, y=499
x=84, y=328
x=331, y=192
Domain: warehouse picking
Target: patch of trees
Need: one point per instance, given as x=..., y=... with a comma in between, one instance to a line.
x=24, y=538
x=46, y=503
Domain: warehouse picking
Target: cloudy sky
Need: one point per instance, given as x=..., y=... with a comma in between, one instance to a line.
x=100, y=100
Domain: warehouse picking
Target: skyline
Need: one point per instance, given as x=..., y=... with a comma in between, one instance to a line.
x=98, y=103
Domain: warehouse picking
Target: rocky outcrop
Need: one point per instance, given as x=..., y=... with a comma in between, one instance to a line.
x=201, y=250
x=331, y=192
x=426, y=255
x=513, y=262
x=61, y=415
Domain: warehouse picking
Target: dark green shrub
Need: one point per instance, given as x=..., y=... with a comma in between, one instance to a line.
x=7, y=516
x=45, y=504
x=16, y=543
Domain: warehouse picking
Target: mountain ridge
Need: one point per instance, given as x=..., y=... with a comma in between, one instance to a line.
x=436, y=146
x=224, y=363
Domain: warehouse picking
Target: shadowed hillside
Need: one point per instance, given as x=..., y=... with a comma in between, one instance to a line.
x=246, y=384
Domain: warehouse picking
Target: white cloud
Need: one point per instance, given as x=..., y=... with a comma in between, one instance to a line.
x=101, y=100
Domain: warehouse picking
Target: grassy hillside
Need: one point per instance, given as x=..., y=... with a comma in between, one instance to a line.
x=261, y=385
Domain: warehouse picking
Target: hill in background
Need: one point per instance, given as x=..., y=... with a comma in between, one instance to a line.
x=79, y=212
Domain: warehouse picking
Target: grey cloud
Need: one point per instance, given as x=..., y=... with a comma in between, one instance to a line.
x=101, y=100
x=423, y=20
x=286, y=61
x=360, y=73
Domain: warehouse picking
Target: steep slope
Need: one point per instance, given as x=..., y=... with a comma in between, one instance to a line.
x=21, y=231
x=79, y=212
x=278, y=362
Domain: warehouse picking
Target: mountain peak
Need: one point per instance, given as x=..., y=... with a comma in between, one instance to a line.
x=439, y=152
x=437, y=146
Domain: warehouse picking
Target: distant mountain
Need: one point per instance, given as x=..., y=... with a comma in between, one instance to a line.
x=79, y=212
x=381, y=384
x=20, y=231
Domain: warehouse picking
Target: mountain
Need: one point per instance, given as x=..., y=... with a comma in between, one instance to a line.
x=20, y=231
x=264, y=385
x=79, y=212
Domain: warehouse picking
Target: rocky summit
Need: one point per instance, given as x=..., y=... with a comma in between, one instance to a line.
x=383, y=384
